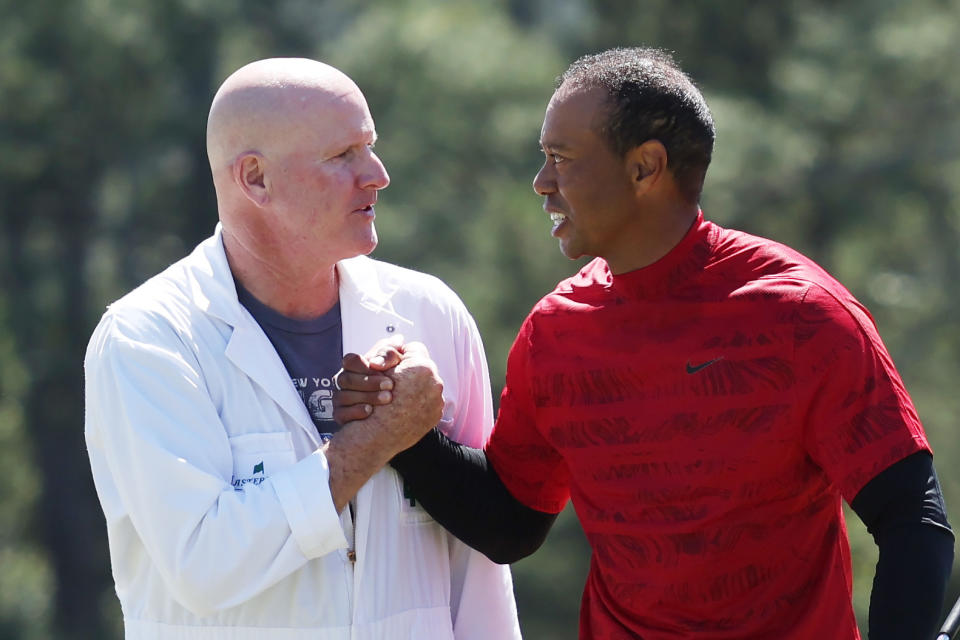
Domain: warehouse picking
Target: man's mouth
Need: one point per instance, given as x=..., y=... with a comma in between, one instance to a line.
x=557, y=219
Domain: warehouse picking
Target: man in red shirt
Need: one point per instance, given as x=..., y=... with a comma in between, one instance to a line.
x=706, y=398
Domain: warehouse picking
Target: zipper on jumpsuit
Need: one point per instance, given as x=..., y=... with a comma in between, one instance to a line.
x=350, y=558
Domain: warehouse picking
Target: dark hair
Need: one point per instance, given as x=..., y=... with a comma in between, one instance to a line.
x=650, y=98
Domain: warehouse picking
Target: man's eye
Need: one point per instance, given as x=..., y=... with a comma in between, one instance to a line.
x=557, y=159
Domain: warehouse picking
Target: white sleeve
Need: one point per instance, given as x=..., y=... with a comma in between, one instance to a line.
x=473, y=421
x=161, y=457
x=482, y=601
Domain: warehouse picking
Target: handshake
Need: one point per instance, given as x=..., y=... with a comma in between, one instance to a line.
x=394, y=385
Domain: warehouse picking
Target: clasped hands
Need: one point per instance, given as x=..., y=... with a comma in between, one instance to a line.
x=396, y=381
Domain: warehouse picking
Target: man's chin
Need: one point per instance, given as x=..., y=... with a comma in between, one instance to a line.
x=371, y=244
x=570, y=252
x=357, y=247
x=366, y=240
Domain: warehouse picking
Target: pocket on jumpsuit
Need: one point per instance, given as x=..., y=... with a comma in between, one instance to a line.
x=258, y=455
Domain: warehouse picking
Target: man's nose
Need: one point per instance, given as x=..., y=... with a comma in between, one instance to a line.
x=375, y=176
x=543, y=182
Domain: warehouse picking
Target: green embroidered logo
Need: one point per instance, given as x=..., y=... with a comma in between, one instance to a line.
x=258, y=468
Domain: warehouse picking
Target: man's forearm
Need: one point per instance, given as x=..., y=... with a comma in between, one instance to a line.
x=353, y=455
x=911, y=578
x=903, y=509
x=457, y=486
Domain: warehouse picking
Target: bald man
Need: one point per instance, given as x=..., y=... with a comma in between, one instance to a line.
x=235, y=506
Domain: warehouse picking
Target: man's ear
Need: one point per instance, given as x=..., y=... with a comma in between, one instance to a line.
x=647, y=165
x=248, y=172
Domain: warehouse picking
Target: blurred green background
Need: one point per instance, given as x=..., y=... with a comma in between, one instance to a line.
x=838, y=133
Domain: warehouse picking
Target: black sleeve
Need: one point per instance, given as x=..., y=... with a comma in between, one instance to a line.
x=904, y=511
x=460, y=489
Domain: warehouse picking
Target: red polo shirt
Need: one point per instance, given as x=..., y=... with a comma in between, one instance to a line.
x=706, y=414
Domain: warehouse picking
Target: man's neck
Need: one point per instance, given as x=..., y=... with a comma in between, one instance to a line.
x=653, y=240
x=299, y=291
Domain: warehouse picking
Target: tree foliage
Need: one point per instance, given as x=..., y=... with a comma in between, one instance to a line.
x=837, y=133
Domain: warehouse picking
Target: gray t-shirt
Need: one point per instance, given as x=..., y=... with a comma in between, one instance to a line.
x=311, y=350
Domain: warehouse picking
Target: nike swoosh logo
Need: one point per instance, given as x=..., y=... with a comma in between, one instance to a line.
x=692, y=369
